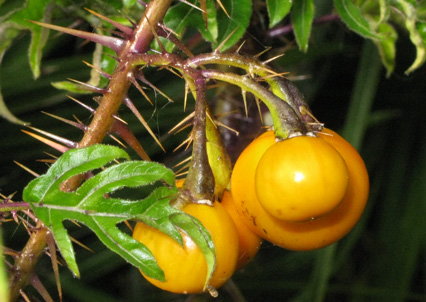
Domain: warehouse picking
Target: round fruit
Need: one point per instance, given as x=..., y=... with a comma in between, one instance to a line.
x=300, y=178
x=185, y=268
x=249, y=242
x=312, y=234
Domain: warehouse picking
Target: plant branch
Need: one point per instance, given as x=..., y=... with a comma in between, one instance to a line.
x=286, y=121
x=199, y=182
x=26, y=261
x=96, y=131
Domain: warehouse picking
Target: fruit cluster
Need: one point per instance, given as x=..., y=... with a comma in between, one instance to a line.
x=301, y=193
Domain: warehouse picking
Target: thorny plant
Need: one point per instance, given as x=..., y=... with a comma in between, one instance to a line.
x=206, y=177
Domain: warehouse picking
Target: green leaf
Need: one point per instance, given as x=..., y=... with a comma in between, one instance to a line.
x=277, y=10
x=71, y=87
x=302, y=15
x=201, y=238
x=36, y=10
x=90, y=206
x=181, y=16
x=351, y=15
x=384, y=10
x=5, y=113
x=72, y=162
x=129, y=3
x=387, y=46
x=239, y=18
x=8, y=32
x=103, y=58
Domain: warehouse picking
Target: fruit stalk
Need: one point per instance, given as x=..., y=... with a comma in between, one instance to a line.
x=286, y=121
x=199, y=181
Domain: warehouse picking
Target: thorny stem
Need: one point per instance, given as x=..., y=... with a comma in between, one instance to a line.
x=97, y=130
x=281, y=86
x=199, y=182
x=286, y=121
x=119, y=84
x=285, y=110
x=25, y=263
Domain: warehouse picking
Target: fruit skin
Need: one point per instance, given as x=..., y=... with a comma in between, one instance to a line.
x=249, y=242
x=300, y=236
x=185, y=268
x=300, y=178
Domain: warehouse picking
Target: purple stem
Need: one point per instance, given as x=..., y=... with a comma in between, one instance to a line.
x=289, y=28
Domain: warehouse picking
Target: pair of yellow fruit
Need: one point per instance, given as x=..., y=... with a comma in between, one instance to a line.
x=302, y=193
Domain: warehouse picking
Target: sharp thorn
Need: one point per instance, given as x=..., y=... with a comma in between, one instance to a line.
x=135, y=111
x=244, y=93
x=127, y=30
x=182, y=174
x=48, y=142
x=154, y=33
x=145, y=81
x=124, y=132
x=182, y=162
x=193, y=5
x=220, y=46
x=52, y=248
x=117, y=140
x=185, y=100
x=173, y=37
x=273, y=58
x=259, y=109
x=223, y=8
x=227, y=127
x=262, y=52
x=81, y=244
x=211, y=119
x=143, y=3
x=241, y=46
x=139, y=87
x=105, y=74
x=72, y=123
x=66, y=142
x=187, y=141
x=110, y=42
x=185, y=120
x=81, y=104
x=89, y=87
x=27, y=169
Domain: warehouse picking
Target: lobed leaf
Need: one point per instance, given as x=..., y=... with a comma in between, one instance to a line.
x=90, y=205
x=71, y=163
